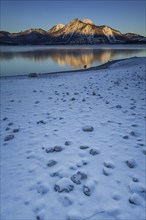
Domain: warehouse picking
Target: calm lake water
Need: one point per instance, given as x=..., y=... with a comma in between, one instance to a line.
x=22, y=60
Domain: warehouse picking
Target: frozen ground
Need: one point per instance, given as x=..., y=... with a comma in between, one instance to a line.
x=72, y=145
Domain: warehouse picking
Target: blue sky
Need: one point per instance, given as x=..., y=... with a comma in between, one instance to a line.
x=124, y=15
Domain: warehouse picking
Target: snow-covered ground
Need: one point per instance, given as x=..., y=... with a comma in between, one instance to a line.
x=72, y=145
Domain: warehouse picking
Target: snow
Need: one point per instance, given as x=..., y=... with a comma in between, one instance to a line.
x=49, y=113
x=64, y=184
x=57, y=27
x=87, y=21
x=135, y=199
x=109, y=34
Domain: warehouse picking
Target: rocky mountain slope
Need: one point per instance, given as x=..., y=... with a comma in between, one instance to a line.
x=75, y=32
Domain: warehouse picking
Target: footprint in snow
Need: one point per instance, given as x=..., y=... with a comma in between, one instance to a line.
x=135, y=179
x=109, y=165
x=15, y=130
x=87, y=128
x=137, y=188
x=144, y=151
x=37, y=102
x=106, y=172
x=131, y=163
x=54, y=149
x=89, y=186
x=43, y=189
x=94, y=152
x=84, y=147
x=132, y=133
x=72, y=99
x=116, y=196
x=41, y=214
x=73, y=167
x=51, y=163
x=40, y=188
x=86, y=190
x=82, y=163
x=10, y=124
x=65, y=200
x=7, y=129
x=135, y=199
x=55, y=174
x=126, y=137
x=9, y=137
x=41, y=122
x=78, y=177
x=67, y=143
x=94, y=93
x=5, y=119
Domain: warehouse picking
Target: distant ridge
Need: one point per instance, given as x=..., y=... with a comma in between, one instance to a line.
x=76, y=32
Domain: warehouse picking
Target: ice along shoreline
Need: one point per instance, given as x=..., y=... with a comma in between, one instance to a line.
x=40, y=75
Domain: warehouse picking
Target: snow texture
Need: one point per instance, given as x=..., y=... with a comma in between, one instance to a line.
x=51, y=169
x=87, y=21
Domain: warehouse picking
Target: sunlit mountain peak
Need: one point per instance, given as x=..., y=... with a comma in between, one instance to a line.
x=87, y=21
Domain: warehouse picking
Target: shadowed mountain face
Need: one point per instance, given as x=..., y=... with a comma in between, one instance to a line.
x=75, y=32
x=73, y=57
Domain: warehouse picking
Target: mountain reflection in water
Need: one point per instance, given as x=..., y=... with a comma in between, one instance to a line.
x=22, y=60
x=76, y=58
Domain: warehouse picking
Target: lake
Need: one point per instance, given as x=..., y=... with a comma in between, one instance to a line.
x=22, y=60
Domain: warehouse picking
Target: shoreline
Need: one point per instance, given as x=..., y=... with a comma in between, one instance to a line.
x=74, y=45
x=42, y=75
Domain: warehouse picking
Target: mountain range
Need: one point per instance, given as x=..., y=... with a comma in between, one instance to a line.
x=76, y=32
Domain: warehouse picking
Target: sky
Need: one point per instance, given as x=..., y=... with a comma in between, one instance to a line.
x=123, y=15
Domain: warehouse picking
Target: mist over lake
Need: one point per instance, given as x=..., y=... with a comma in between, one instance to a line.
x=22, y=60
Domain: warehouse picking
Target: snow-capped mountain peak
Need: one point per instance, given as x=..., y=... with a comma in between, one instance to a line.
x=56, y=28
x=74, y=20
x=87, y=21
x=109, y=33
x=75, y=32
